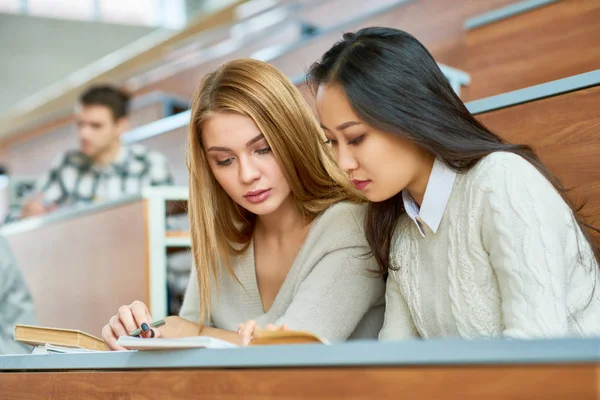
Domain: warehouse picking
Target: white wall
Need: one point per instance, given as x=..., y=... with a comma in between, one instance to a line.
x=37, y=52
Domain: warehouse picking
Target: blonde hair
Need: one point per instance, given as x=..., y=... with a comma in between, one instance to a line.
x=221, y=228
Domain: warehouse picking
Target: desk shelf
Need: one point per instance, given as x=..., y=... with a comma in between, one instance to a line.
x=160, y=240
x=181, y=241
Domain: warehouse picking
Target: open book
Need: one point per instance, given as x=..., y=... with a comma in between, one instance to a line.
x=261, y=337
x=264, y=337
x=57, y=340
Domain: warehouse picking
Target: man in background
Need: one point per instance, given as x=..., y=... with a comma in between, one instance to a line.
x=102, y=168
x=16, y=305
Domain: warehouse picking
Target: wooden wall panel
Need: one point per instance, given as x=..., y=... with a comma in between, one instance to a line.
x=565, y=131
x=32, y=156
x=81, y=270
x=541, y=45
x=308, y=96
x=186, y=82
x=515, y=382
x=436, y=23
x=553, y=42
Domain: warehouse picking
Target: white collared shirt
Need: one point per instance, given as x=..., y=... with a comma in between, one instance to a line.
x=437, y=194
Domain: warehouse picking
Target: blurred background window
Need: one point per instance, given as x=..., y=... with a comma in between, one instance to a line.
x=159, y=13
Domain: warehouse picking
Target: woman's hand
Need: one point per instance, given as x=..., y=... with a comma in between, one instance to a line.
x=127, y=319
x=247, y=329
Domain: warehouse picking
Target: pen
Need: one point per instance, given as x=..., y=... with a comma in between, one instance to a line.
x=154, y=324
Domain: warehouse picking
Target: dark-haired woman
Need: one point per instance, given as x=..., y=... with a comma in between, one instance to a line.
x=477, y=234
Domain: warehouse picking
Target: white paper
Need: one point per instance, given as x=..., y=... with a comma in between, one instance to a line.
x=136, y=343
x=52, y=349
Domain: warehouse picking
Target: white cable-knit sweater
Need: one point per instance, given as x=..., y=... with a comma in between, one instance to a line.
x=507, y=260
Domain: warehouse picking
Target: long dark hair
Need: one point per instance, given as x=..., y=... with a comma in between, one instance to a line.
x=394, y=85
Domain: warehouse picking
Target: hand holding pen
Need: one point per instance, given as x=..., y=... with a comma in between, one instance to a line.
x=130, y=320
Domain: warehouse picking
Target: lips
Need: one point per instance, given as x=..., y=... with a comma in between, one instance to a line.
x=258, y=196
x=360, y=185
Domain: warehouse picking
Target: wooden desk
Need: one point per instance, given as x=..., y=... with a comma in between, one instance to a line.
x=81, y=264
x=552, y=369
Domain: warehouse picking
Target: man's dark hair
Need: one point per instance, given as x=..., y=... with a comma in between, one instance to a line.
x=109, y=96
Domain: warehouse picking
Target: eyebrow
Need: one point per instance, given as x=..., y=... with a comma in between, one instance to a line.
x=343, y=126
x=248, y=144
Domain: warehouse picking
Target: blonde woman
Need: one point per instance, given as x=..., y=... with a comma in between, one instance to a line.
x=274, y=236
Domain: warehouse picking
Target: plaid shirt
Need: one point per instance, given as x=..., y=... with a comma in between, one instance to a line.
x=75, y=179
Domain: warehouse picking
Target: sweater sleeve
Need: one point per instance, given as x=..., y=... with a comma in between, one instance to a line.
x=398, y=323
x=336, y=295
x=16, y=304
x=528, y=232
x=190, y=309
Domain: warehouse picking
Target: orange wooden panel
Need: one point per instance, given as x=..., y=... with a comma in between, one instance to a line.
x=540, y=45
x=81, y=270
x=177, y=234
x=553, y=42
x=308, y=96
x=436, y=23
x=515, y=382
x=186, y=82
x=565, y=130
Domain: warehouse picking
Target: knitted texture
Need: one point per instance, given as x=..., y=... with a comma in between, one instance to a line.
x=508, y=259
x=329, y=289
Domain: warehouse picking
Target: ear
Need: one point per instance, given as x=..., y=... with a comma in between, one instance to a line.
x=122, y=125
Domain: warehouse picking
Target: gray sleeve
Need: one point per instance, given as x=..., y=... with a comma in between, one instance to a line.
x=16, y=305
x=190, y=309
x=336, y=295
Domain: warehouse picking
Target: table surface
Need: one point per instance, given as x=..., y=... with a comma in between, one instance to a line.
x=357, y=353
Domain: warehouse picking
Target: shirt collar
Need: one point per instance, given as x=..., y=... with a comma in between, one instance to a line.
x=118, y=162
x=437, y=194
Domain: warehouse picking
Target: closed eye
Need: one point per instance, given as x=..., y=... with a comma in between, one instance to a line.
x=226, y=162
x=264, y=150
x=356, y=141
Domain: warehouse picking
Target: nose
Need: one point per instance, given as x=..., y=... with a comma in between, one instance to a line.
x=346, y=159
x=248, y=171
x=84, y=131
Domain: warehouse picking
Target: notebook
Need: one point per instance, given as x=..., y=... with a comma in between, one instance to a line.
x=136, y=343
